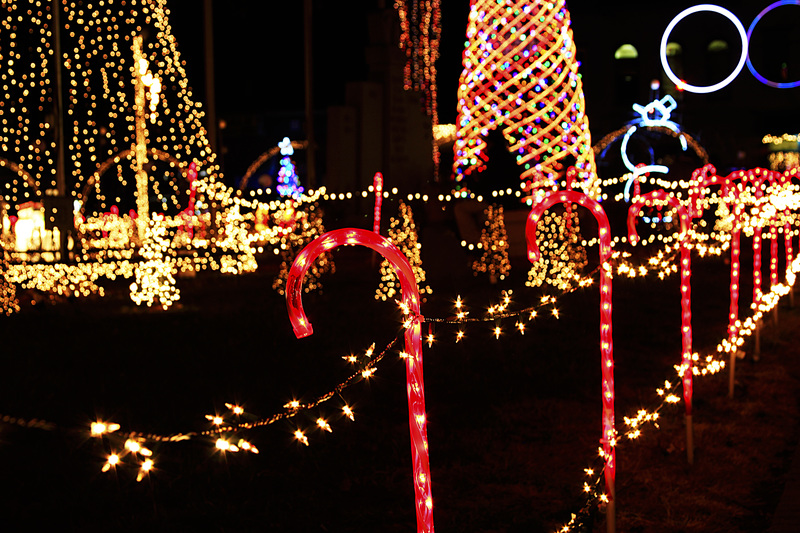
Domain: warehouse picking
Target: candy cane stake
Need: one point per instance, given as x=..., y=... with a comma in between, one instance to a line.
x=413, y=348
x=706, y=177
x=606, y=339
x=757, y=177
x=686, y=295
x=377, y=187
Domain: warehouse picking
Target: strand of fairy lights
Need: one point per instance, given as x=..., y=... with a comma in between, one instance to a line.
x=134, y=442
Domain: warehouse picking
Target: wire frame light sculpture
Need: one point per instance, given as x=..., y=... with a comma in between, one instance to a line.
x=520, y=74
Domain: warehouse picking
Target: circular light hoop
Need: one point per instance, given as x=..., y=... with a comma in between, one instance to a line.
x=685, y=13
x=753, y=71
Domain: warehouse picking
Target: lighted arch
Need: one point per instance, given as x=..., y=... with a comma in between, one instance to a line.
x=21, y=172
x=126, y=154
x=263, y=158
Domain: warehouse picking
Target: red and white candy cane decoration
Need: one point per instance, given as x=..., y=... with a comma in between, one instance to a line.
x=706, y=177
x=416, y=389
x=606, y=338
x=757, y=177
x=377, y=186
x=686, y=294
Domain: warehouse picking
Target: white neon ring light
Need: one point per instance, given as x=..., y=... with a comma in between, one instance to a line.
x=685, y=13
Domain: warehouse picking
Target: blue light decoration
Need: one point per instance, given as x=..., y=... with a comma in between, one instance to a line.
x=656, y=114
x=753, y=71
x=288, y=181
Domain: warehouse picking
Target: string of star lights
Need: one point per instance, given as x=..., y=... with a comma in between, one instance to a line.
x=520, y=75
x=686, y=296
x=224, y=426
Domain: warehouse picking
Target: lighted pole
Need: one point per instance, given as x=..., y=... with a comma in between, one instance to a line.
x=58, y=100
x=147, y=87
x=211, y=104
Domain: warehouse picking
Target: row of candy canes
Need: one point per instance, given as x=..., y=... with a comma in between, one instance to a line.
x=411, y=302
x=731, y=195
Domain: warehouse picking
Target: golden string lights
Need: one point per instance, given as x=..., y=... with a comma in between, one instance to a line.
x=403, y=234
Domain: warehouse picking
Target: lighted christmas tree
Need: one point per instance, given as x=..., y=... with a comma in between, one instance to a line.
x=520, y=75
x=8, y=291
x=305, y=227
x=288, y=182
x=403, y=234
x=562, y=256
x=154, y=281
x=494, y=243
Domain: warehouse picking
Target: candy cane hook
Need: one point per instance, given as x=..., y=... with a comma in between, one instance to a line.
x=686, y=295
x=730, y=195
x=606, y=339
x=415, y=385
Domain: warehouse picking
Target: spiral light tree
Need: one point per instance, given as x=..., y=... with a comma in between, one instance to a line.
x=686, y=371
x=413, y=349
x=606, y=339
x=520, y=75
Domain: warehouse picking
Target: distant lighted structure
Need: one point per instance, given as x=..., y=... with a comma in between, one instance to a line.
x=520, y=75
x=784, y=151
x=420, y=26
x=656, y=117
x=288, y=182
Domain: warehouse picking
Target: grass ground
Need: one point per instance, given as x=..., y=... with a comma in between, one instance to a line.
x=512, y=421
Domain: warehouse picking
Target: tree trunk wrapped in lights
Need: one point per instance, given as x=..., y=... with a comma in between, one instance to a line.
x=307, y=227
x=494, y=243
x=8, y=291
x=154, y=281
x=521, y=76
x=403, y=234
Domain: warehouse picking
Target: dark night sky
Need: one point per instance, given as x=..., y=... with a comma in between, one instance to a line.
x=259, y=57
x=259, y=51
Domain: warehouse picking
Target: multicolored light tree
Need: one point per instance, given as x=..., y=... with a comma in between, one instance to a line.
x=521, y=75
x=288, y=182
